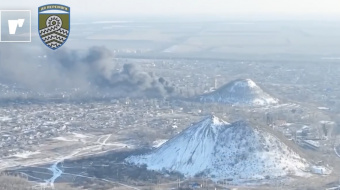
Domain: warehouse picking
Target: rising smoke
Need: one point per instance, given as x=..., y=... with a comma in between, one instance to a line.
x=93, y=71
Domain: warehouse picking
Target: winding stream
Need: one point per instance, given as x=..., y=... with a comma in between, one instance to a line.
x=56, y=173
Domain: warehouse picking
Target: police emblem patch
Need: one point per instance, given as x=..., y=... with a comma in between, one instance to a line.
x=54, y=24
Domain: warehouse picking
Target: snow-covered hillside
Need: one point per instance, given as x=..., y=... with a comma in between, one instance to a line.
x=219, y=150
x=240, y=91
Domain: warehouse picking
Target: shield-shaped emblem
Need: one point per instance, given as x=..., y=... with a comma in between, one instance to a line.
x=54, y=24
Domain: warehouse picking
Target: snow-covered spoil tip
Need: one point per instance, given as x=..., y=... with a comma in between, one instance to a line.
x=220, y=150
x=241, y=92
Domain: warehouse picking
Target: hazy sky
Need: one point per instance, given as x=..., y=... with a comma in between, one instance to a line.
x=244, y=8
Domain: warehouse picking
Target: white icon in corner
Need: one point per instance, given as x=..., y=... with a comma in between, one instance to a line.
x=13, y=24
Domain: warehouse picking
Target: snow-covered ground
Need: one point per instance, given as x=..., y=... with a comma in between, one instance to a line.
x=219, y=150
x=66, y=139
x=74, y=137
x=82, y=136
x=158, y=143
x=89, y=145
x=26, y=154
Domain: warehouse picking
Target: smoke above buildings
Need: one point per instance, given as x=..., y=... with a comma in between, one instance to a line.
x=92, y=71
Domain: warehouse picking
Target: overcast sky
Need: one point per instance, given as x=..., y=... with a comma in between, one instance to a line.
x=243, y=8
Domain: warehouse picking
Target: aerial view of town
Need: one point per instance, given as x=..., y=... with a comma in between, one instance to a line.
x=191, y=103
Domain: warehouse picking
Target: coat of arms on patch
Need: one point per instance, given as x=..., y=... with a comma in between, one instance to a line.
x=54, y=24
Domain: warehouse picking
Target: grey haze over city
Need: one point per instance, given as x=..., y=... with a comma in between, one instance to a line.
x=171, y=94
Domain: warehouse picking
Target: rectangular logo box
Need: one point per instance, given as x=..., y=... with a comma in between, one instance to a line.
x=15, y=26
